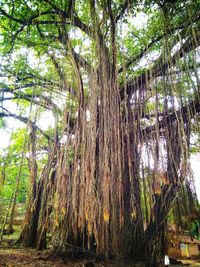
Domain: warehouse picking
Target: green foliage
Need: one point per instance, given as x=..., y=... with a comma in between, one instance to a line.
x=195, y=229
x=2, y=123
x=11, y=163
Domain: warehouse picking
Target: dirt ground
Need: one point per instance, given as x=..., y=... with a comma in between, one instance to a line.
x=16, y=256
x=31, y=258
x=13, y=257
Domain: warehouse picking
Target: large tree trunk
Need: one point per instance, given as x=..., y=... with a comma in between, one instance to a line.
x=29, y=230
x=35, y=224
x=155, y=236
x=28, y=235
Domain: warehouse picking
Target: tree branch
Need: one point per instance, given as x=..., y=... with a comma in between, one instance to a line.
x=28, y=85
x=185, y=113
x=74, y=21
x=159, y=68
x=154, y=41
x=123, y=7
x=47, y=104
x=24, y=120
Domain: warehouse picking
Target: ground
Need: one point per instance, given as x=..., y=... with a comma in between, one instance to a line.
x=30, y=258
x=13, y=257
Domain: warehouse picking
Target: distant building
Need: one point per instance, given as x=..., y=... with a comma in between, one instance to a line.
x=182, y=244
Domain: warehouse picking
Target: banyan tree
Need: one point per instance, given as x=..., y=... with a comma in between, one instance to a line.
x=122, y=80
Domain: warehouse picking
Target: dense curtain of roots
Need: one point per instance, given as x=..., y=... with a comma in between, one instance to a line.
x=102, y=202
